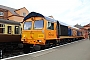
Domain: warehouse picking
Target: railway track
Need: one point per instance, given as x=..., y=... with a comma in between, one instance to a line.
x=11, y=53
x=20, y=51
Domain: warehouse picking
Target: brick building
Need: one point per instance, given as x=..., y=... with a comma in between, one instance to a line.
x=8, y=13
x=86, y=30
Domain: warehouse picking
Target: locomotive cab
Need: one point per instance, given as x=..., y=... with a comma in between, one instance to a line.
x=39, y=30
x=33, y=32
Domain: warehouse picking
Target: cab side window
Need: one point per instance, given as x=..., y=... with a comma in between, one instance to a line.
x=50, y=25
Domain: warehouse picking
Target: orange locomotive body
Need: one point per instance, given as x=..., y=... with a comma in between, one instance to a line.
x=40, y=31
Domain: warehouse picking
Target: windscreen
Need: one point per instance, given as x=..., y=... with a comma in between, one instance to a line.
x=27, y=25
x=38, y=24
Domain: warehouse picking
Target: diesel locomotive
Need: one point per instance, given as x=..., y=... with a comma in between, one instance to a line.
x=40, y=32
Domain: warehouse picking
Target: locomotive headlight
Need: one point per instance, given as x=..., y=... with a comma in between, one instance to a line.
x=24, y=36
x=23, y=40
x=39, y=40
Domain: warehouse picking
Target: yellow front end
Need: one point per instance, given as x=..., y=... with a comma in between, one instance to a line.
x=33, y=32
x=33, y=37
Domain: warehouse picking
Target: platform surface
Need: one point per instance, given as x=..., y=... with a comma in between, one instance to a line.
x=75, y=51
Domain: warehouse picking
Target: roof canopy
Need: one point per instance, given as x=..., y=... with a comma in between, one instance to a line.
x=9, y=22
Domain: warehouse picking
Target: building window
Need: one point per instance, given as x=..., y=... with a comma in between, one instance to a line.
x=9, y=30
x=24, y=14
x=2, y=25
x=16, y=29
x=2, y=28
x=50, y=25
x=1, y=13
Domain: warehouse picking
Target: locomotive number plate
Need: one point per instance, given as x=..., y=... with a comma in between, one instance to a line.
x=40, y=36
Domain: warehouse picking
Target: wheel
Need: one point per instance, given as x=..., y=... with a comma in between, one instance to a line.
x=47, y=45
x=37, y=47
x=26, y=49
x=42, y=47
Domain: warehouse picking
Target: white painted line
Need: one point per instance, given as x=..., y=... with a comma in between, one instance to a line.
x=65, y=44
x=53, y=47
x=40, y=51
x=68, y=43
x=72, y=42
x=50, y=48
x=80, y=40
x=57, y=46
x=76, y=41
x=13, y=57
x=61, y=45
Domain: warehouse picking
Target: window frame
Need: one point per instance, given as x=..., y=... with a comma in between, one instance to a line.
x=24, y=25
x=16, y=31
x=9, y=32
x=24, y=14
x=2, y=27
x=38, y=28
x=51, y=25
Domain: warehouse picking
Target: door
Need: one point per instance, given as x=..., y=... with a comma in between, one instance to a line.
x=9, y=30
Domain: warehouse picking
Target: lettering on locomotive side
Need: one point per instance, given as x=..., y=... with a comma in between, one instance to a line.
x=50, y=34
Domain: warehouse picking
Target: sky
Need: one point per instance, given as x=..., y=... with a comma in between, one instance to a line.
x=70, y=12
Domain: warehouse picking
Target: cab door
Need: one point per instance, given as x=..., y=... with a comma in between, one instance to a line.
x=50, y=31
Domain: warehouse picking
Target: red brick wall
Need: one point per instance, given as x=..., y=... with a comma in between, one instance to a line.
x=5, y=14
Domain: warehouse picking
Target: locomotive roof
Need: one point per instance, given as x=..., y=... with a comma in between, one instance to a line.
x=9, y=22
x=63, y=23
x=34, y=14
